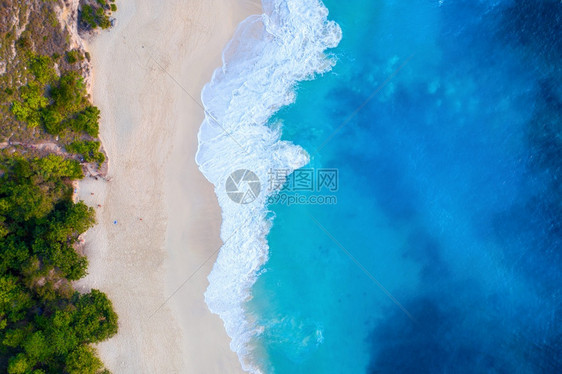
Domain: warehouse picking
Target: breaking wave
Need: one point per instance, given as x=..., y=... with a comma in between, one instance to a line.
x=268, y=55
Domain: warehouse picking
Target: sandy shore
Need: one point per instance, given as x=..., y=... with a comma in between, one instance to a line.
x=159, y=219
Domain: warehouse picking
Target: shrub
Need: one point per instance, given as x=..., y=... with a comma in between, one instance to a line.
x=88, y=149
x=28, y=110
x=69, y=94
x=54, y=166
x=86, y=121
x=42, y=68
x=95, y=17
x=88, y=16
x=102, y=18
x=52, y=120
x=23, y=42
x=74, y=56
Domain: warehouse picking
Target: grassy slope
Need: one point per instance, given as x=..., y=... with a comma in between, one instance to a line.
x=45, y=325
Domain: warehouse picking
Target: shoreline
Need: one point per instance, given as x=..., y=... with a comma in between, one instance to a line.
x=158, y=219
x=262, y=66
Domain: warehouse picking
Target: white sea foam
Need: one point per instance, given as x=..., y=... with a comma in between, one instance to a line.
x=267, y=57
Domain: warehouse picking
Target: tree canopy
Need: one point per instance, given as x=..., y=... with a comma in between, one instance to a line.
x=45, y=325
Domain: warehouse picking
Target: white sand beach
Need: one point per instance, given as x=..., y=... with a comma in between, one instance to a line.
x=158, y=224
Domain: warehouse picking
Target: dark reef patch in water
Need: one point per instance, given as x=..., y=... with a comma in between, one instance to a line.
x=434, y=344
x=444, y=339
x=537, y=26
x=535, y=220
x=466, y=323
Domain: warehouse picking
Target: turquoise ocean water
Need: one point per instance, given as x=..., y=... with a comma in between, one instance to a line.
x=443, y=120
x=449, y=158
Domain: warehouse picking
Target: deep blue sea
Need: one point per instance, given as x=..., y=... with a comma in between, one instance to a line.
x=443, y=252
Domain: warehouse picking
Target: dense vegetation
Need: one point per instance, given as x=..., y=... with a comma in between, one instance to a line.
x=46, y=326
x=44, y=323
x=89, y=151
x=32, y=42
x=60, y=105
x=43, y=96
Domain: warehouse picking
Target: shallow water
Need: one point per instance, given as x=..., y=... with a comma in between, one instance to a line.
x=449, y=200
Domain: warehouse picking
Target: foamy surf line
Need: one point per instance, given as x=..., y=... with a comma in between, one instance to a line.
x=268, y=55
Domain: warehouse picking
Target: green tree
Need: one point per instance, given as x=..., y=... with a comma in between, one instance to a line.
x=69, y=221
x=14, y=253
x=61, y=332
x=71, y=264
x=27, y=202
x=83, y=360
x=37, y=347
x=19, y=364
x=15, y=337
x=95, y=319
x=14, y=300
